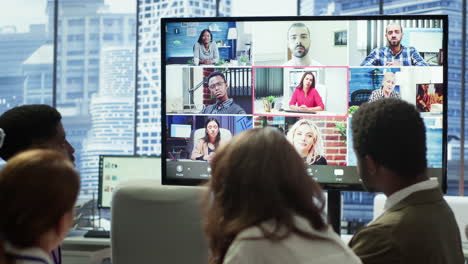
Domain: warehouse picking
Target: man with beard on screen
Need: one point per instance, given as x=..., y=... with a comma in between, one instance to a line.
x=299, y=44
x=394, y=54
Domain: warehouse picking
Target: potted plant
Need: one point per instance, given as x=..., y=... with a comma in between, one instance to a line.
x=271, y=100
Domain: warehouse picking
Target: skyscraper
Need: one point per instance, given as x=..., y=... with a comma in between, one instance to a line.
x=149, y=61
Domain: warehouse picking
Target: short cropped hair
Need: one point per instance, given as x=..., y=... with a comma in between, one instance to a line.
x=26, y=125
x=213, y=74
x=392, y=132
x=299, y=25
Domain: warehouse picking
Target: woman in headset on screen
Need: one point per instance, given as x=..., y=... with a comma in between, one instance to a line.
x=262, y=207
x=305, y=136
x=38, y=190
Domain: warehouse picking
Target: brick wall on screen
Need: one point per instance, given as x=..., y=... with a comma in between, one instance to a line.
x=334, y=143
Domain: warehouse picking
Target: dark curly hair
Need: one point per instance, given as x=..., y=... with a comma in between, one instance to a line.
x=392, y=132
x=25, y=125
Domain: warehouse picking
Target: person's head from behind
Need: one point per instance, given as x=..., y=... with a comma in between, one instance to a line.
x=298, y=40
x=389, y=139
x=394, y=34
x=38, y=190
x=306, y=138
x=388, y=82
x=307, y=81
x=218, y=86
x=212, y=131
x=205, y=37
x=33, y=126
x=258, y=176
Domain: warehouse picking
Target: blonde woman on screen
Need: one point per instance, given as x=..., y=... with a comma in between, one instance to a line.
x=305, y=136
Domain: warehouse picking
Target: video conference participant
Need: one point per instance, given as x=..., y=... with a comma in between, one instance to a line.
x=38, y=191
x=262, y=207
x=205, y=50
x=395, y=54
x=305, y=136
x=205, y=148
x=218, y=88
x=299, y=44
x=33, y=126
x=426, y=97
x=387, y=90
x=417, y=225
x=305, y=97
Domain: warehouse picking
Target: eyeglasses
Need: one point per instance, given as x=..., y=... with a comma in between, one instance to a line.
x=214, y=85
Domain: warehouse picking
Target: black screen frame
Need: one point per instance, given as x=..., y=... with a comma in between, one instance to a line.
x=329, y=186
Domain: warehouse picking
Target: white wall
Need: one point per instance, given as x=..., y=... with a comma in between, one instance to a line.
x=336, y=85
x=322, y=46
x=174, y=95
x=410, y=76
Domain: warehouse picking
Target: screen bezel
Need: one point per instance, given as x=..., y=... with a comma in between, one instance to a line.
x=330, y=186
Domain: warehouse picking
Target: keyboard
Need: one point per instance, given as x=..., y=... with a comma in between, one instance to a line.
x=97, y=234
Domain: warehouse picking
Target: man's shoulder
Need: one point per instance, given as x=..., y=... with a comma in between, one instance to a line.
x=236, y=109
x=208, y=109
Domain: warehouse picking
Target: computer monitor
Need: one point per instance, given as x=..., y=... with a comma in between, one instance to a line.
x=180, y=131
x=114, y=170
x=237, y=73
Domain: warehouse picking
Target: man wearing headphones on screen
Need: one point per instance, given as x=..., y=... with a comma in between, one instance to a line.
x=417, y=225
x=299, y=44
x=394, y=54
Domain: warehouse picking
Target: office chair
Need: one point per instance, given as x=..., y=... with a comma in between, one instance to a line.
x=359, y=97
x=152, y=223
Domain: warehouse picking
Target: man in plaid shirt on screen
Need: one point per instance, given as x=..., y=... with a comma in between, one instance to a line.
x=394, y=54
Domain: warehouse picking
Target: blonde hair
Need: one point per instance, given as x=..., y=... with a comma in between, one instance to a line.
x=317, y=148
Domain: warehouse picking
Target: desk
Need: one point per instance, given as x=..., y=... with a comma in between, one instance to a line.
x=276, y=112
x=81, y=250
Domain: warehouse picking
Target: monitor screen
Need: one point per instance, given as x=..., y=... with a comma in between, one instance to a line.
x=114, y=170
x=180, y=130
x=301, y=75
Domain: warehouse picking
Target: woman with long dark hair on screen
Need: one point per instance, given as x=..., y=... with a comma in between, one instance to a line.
x=305, y=136
x=305, y=96
x=262, y=207
x=205, y=50
x=205, y=147
x=38, y=190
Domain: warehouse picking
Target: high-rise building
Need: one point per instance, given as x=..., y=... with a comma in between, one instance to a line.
x=112, y=114
x=96, y=115
x=12, y=78
x=149, y=61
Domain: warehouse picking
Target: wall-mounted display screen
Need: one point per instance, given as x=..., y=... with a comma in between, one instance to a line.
x=304, y=76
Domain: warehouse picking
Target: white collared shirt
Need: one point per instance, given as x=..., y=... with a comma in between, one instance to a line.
x=33, y=252
x=398, y=196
